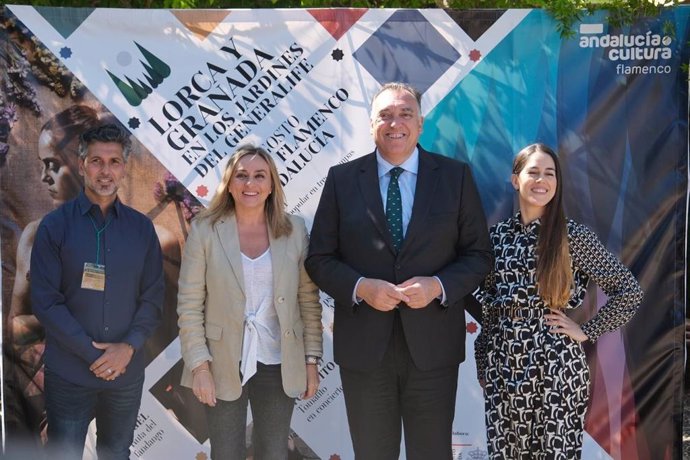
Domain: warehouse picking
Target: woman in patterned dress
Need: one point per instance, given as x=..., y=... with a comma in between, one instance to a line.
x=529, y=356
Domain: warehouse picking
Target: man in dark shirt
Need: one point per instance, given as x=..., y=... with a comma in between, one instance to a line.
x=97, y=288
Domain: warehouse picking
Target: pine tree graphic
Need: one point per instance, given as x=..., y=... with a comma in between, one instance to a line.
x=136, y=90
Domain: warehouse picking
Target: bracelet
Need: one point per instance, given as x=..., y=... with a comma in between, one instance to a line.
x=196, y=371
x=309, y=359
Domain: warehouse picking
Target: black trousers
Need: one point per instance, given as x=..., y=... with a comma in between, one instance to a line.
x=395, y=396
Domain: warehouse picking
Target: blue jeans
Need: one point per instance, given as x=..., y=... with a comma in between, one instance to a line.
x=271, y=414
x=70, y=408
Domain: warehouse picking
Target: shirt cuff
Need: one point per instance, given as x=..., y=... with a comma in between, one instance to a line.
x=442, y=297
x=356, y=300
x=589, y=332
x=135, y=340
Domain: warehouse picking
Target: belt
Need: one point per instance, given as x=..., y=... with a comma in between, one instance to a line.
x=518, y=312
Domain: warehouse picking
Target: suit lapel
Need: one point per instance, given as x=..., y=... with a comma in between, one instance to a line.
x=425, y=191
x=229, y=238
x=371, y=194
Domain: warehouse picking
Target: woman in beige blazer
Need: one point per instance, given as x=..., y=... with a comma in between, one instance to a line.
x=249, y=316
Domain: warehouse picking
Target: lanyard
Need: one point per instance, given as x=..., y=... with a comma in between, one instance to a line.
x=98, y=236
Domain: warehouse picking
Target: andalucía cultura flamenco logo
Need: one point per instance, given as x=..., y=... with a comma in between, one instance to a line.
x=633, y=53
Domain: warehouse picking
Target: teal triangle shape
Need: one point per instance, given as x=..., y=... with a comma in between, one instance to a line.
x=64, y=20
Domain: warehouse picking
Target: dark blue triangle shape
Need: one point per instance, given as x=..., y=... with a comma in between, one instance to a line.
x=64, y=20
x=475, y=22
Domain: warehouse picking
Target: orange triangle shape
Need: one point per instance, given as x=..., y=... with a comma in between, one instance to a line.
x=201, y=22
x=337, y=21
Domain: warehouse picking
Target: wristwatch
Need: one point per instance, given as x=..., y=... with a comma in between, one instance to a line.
x=309, y=359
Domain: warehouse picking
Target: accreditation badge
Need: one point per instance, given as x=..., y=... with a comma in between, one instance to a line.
x=93, y=277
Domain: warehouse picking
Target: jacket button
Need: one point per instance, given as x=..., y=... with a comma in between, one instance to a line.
x=281, y=299
x=287, y=333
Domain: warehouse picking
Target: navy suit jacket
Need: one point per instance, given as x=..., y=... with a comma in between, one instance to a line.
x=447, y=237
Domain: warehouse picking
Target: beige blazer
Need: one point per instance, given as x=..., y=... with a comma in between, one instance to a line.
x=211, y=302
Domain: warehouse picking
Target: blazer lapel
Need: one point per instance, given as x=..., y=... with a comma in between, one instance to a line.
x=425, y=191
x=278, y=256
x=371, y=194
x=229, y=238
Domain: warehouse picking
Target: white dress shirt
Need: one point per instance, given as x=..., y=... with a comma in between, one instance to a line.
x=408, y=184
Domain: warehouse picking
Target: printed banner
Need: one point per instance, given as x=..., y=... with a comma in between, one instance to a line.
x=193, y=85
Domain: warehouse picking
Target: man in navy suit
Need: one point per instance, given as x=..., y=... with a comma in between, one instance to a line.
x=399, y=238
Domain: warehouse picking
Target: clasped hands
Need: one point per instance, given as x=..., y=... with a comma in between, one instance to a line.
x=417, y=292
x=114, y=360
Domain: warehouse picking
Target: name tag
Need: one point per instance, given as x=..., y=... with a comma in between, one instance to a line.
x=93, y=277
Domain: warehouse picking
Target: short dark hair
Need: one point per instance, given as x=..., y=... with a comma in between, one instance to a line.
x=399, y=86
x=105, y=133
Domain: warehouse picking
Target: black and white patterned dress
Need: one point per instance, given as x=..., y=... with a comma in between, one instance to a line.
x=537, y=382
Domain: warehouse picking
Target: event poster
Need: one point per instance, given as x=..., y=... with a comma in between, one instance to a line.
x=193, y=85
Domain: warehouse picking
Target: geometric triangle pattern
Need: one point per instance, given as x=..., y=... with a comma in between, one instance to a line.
x=475, y=23
x=64, y=20
x=403, y=45
x=200, y=22
x=337, y=21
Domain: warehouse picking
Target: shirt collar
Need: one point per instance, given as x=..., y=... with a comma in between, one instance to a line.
x=409, y=165
x=529, y=228
x=85, y=205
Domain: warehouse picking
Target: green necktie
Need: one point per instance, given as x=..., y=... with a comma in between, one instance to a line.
x=394, y=208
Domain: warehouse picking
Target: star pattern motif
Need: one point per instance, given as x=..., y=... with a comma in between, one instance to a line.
x=337, y=54
x=394, y=208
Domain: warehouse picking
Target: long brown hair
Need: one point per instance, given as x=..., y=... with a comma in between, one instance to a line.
x=554, y=273
x=222, y=203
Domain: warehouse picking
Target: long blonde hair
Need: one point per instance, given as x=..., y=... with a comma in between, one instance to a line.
x=222, y=204
x=554, y=273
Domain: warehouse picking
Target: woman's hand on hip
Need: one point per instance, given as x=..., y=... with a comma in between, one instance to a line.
x=561, y=324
